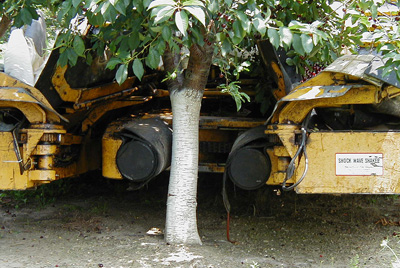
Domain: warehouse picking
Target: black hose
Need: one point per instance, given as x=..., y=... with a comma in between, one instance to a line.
x=292, y=165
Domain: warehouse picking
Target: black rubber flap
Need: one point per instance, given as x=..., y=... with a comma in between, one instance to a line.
x=249, y=168
x=248, y=164
x=146, y=149
x=136, y=161
x=249, y=136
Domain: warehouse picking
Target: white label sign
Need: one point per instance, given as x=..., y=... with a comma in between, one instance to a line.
x=359, y=164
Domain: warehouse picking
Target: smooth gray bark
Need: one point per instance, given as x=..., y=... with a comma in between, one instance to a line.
x=181, y=221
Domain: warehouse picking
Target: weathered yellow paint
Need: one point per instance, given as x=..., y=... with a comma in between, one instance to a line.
x=40, y=176
x=12, y=179
x=278, y=93
x=286, y=134
x=296, y=111
x=9, y=91
x=45, y=149
x=97, y=112
x=81, y=95
x=65, y=92
x=277, y=175
x=322, y=148
x=38, y=158
x=33, y=138
x=212, y=129
x=110, y=146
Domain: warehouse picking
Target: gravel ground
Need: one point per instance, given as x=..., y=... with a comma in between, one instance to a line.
x=107, y=227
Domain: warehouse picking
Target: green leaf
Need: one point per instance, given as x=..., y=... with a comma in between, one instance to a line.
x=113, y=62
x=109, y=12
x=161, y=46
x=260, y=25
x=286, y=36
x=79, y=45
x=63, y=59
x=289, y=61
x=181, y=21
x=238, y=102
x=76, y=3
x=274, y=37
x=104, y=7
x=193, y=3
x=26, y=16
x=307, y=43
x=387, y=47
x=157, y=29
x=89, y=59
x=158, y=3
x=65, y=7
x=220, y=36
x=213, y=6
x=122, y=74
x=120, y=7
x=297, y=44
x=72, y=56
x=238, y=29
x=96, y=20
x=246, y=24
x=166, y=33
x=134, y=40
x=226, y=48
x=138, y=69
x=293, y=25
x=374, y=11
x=198, y=36
x=144, y=4
x=153, y=59
x=316, y=39
x=164, y=14
x=197, y=12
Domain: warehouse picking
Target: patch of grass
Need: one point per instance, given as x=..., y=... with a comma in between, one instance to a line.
x=255, y=265
x=355, y=261
x=100, y=207
x=40, y=197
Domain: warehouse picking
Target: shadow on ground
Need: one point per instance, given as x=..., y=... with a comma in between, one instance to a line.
x=94, y=222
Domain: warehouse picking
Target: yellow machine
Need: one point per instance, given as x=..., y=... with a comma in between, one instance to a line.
x=78, y=119
x=336, y=133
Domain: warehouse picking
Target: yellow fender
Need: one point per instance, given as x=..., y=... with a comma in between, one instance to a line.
x=29, y=100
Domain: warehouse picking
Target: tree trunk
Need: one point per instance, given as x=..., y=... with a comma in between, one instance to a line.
x=181, y=221
x=186, y=92
x=4, y=24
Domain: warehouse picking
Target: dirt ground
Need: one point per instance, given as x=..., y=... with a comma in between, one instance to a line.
x=96, y=223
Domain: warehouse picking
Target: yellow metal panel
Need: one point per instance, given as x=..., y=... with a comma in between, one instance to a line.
x=33, y=139
x=42, y=176
x=322, y=175
x=32, y=111
x=296, y=111
x=97, y=112
x=286, y=134
x=45, y=149
x=8, y=82
x=11, y=178
x=79, y=95
x=276, y=177
x=62, y=87
x=110, y=147
x=280, y=91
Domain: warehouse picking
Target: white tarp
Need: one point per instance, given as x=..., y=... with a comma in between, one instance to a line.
x=24, y=56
